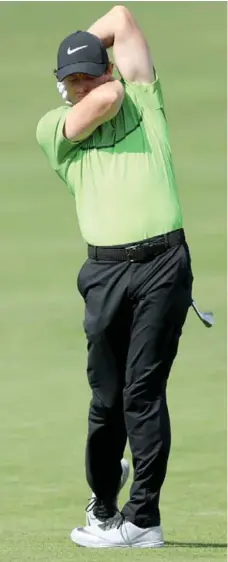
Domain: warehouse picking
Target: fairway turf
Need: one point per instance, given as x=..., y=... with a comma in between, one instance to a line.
x=44, y=394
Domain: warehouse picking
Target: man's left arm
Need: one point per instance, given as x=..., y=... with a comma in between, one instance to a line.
x=119, y=30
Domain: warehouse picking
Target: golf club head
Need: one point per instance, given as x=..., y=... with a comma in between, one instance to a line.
x=207, y=318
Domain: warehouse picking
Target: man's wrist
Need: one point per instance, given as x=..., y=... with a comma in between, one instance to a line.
x=104, y=28
x=107, y=39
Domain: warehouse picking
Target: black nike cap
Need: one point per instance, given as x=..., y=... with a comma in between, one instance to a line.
x=81, y=52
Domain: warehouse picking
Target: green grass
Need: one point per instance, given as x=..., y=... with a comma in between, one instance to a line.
x=44, y=394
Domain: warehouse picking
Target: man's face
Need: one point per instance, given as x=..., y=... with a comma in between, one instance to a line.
x=79, y=85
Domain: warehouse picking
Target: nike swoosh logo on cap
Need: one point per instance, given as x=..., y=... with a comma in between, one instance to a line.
x=71, y=51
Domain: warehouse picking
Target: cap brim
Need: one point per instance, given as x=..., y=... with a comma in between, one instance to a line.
x=90, y=68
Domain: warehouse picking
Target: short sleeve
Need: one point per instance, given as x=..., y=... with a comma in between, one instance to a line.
x=49, y=135
x=145, y=94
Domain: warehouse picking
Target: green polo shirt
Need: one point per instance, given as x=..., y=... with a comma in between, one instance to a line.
x=122, y=176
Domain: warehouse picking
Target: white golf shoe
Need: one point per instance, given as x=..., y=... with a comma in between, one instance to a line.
x=97, y=512
x=116, y=534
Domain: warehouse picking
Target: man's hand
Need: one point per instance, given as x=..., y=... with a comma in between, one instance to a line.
x=119, y=30
x=100, y=105
x=63, y=93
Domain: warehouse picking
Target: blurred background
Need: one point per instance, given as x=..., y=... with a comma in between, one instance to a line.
x=44, y=395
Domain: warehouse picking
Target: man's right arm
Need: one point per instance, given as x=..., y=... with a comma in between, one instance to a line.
x=118, y=29
x=100, y=105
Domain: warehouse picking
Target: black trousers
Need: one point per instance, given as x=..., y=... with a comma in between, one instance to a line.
x=134, y=316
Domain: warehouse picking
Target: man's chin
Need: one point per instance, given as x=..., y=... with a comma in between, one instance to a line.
x=80, y=98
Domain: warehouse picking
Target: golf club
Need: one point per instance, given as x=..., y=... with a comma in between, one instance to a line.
x=207, y=318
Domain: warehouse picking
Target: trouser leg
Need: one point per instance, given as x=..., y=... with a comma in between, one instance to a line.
x=106, y=325
x=162, y=293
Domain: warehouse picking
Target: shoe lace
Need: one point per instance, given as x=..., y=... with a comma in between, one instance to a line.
x=116, y=521
x=103, y=510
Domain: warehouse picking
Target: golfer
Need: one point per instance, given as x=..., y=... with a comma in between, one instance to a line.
x=109, y=143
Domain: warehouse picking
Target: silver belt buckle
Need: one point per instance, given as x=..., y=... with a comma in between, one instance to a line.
x=130, y=251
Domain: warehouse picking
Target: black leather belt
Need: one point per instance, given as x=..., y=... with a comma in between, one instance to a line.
x=140, y=251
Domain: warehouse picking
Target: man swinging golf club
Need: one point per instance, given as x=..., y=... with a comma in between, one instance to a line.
x=110, y=145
